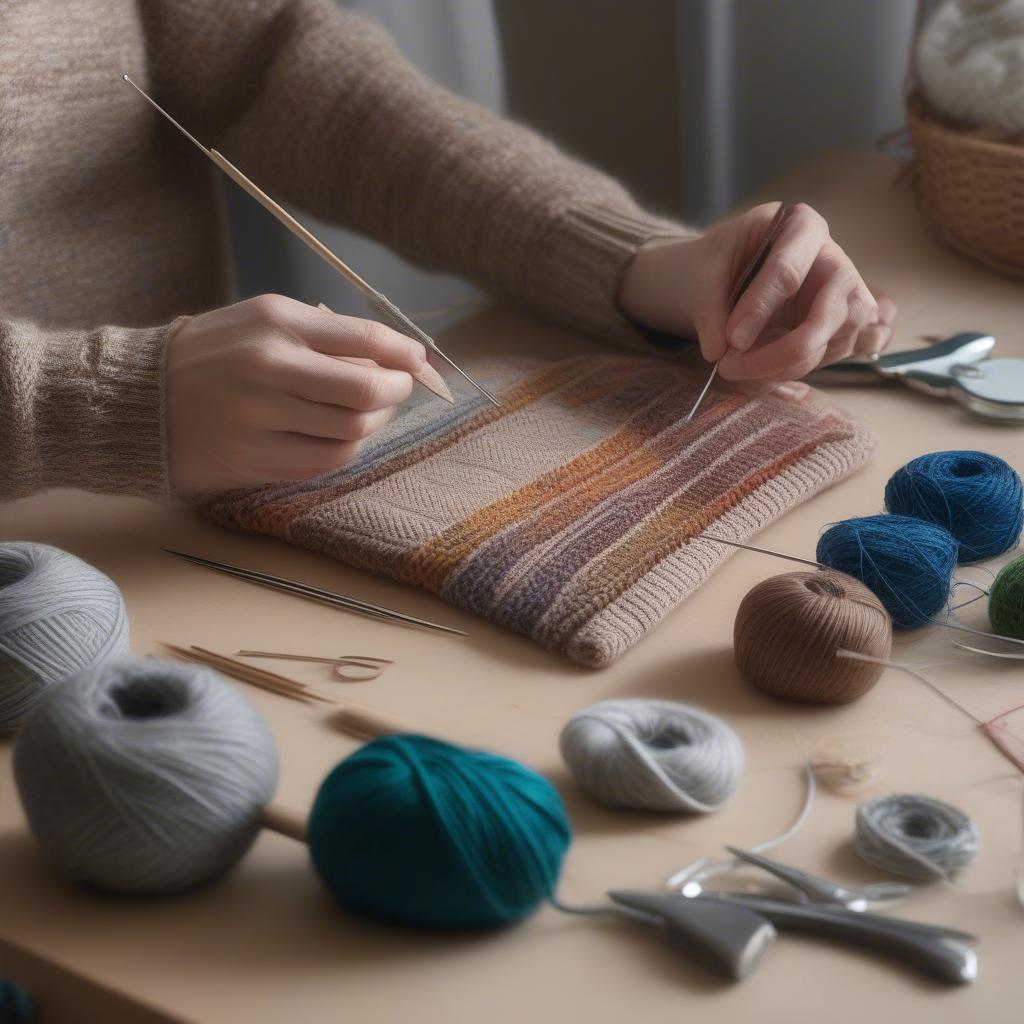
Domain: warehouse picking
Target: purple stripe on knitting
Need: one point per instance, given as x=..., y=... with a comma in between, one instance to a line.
x=530, y=598
x=474, y=583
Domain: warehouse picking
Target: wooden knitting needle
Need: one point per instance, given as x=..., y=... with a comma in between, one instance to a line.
x=379, y=302
x=428, y=376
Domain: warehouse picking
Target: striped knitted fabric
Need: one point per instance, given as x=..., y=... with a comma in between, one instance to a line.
x=569, y=514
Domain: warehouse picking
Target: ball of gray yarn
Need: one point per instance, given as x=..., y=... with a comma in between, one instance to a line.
x=144, y=776
x=916, y=837
x=58, y=615
x=653, y=754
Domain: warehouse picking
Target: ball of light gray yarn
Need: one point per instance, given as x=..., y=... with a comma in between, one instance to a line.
x=144, y=776
x=916, y=837
x=653, y=754
x=58, y=615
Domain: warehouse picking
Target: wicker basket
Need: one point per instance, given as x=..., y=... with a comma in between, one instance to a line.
x=972, y=188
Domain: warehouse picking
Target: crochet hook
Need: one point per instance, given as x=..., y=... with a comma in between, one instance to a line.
x=285, y=586
x=742, y=284
x=379, y=302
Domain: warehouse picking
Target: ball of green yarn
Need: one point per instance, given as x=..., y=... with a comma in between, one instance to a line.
x=1006, y=600
x=16, y=1005
x=416, y=831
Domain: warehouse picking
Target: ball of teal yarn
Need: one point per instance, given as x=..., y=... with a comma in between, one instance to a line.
x=419, y=832
x=977, y=497
x=1006, y=600
x=907, y=563
x=16, y=1005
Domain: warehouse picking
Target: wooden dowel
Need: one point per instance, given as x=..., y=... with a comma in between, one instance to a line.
x=291, y=223
x=363, y=723
x=284, y=821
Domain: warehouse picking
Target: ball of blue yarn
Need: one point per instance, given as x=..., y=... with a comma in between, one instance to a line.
x=16, y=1005
x=977, y=497
x=416, y=831
x=906, y=562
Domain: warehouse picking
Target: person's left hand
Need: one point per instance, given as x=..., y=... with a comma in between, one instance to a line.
x=807, y=306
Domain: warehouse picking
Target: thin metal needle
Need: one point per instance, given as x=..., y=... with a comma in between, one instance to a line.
x=153, y=103
x=700, y=397
x=761, y=551
x=314, y=593
x=742, y=284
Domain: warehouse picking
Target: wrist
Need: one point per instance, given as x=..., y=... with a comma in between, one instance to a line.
x=659, y=284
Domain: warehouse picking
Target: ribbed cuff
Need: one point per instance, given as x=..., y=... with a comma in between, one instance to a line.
x=578, y=268
x=100, y=411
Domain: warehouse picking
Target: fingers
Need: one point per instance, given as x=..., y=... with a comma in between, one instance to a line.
x=796, y=353
x=316, y=419
x=336, y=335
x=794, y=252
x=361, y=387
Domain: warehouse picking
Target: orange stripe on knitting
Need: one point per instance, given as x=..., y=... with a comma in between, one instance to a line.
x=679, y=522
x=277, y=517
x=431, y=564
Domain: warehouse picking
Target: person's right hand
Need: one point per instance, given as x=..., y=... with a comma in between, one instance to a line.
x=257, y=392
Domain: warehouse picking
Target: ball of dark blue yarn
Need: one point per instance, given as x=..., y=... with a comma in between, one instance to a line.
x=975, y=496
x=906, y=562
x=416, y=831
x=16, y=1005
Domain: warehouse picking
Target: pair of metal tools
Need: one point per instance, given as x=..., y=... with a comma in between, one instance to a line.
x=732, y=932
x=388, y=312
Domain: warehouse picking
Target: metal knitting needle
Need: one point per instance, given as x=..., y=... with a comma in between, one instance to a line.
x=761, y=551
x=753, y=268
x=379, y=302
x=327, y=597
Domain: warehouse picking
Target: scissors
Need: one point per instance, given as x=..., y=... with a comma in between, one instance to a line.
x=959, y=368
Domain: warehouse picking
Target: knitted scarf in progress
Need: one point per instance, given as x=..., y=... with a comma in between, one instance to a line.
x=569, y=514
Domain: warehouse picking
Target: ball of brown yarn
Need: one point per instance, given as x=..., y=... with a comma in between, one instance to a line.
x=788, y=630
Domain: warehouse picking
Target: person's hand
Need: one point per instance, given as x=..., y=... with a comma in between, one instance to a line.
x=806, y=307
x=257, y=392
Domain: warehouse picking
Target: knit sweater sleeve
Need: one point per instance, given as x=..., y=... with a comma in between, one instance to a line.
x=82, y=409
x=320, y=107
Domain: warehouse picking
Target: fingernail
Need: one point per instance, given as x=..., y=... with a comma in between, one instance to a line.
x=433, y=381
x=791, y=392
x=744, y=334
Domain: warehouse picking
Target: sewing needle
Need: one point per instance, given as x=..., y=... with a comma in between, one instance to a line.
x=379, y=302
x=742, y=284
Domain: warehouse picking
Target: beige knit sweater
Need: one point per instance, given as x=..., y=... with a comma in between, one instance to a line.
x=111, y=224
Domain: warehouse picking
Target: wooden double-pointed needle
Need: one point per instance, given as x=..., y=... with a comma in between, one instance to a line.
x=428, y=376
x=379, y=302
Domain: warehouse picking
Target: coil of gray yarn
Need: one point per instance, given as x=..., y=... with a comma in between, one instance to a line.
x=144, y=776
x=58, y=615
x=653, y=754
x=916, y=837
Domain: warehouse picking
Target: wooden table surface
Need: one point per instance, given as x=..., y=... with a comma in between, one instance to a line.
x=266, y=944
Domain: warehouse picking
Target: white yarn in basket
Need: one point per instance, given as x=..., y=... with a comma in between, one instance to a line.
x=970, y=63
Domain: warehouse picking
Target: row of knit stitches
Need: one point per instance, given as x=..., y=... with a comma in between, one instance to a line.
x=402, y=457
x=606, y=400
x=680, y=519
x=509, y=577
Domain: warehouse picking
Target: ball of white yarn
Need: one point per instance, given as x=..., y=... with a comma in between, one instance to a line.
x=653, y=754
x=144, y=776
x=58, y=615
x=970, y=62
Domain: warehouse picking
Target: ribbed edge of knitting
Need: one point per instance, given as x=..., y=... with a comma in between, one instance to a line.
x=585, y=253
x=627, y=620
